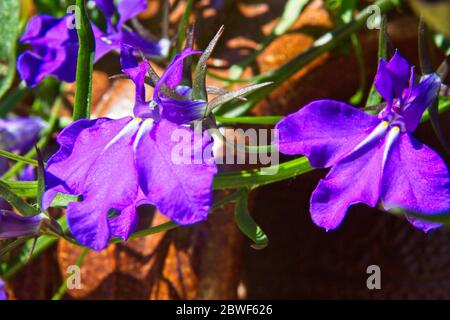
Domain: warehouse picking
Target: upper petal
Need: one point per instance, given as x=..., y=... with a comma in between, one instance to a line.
x=355, y=179
x=129, y=9
x=416, y=179
x=148, y=48
x=175, y=174
x=81, y=143
x=107, y=7
x=173, y=74
x=392, y=77
x=325, y=131
x=137, y=73
x=49, y=31
x=420, y=97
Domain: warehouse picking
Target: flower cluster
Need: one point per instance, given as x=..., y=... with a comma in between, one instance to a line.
x=135, y=153
x=54, y=41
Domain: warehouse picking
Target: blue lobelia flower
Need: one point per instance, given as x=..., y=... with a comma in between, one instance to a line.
x=18, y=135
x=3, y=293
x=54, y=42
x=14, y=226
x=117, y=165
x=372, y=156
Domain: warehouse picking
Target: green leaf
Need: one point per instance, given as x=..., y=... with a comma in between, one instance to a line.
x=26, y=189
x=21, y=205
x=224, y=98
x=182, y=27
x=199, y=85
x=16, y=157
x=323, y=44
x=41, y=178
x=62, y=200
x=261, y=120
x=247, y=224
x=9, y=16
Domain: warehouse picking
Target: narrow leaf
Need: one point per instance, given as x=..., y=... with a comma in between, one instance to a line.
x=199, y=85
x=9, y=16
x=222, y=99
x=247, y=224
x=21, y=205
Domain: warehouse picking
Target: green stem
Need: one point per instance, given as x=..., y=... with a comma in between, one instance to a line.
x=85, y=65
x=16, y=157
x=262, y=120
x=320, y=46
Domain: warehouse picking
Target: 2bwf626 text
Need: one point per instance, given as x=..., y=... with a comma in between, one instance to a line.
x=226, y=309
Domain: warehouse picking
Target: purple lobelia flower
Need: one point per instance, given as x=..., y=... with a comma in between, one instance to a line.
x=372, y=156
x=55, y=42
x=117, y=35
x=15, y=226
x=117, y=165
x=3, y=293
x=18, y=135
x=55, y=50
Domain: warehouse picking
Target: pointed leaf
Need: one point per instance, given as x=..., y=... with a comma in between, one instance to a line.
x=247, y=225
x=9, y=16
x=21, y=205
x=220, y=100
x=199, y=85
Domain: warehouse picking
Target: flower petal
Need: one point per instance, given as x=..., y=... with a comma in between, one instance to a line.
x=420, y=97
x=355, y=179
x=13, y=226
x=3, y=293
x=173, y=74
x=33, y=68
x=81, y=143
x=88, y=219
x=137, y=73
x=148, y=48
x=416, y=179
x=182, y=111
x=104, y=43
x=392, y=77
x=129, y=9
x=180, y=188
x=325, y=131
x=107, y=7
x=20, y=134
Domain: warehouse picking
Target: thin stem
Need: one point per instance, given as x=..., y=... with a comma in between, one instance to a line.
x=16, y=157
x=85, y=65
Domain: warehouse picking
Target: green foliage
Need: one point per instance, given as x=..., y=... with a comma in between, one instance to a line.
x=9, y=16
